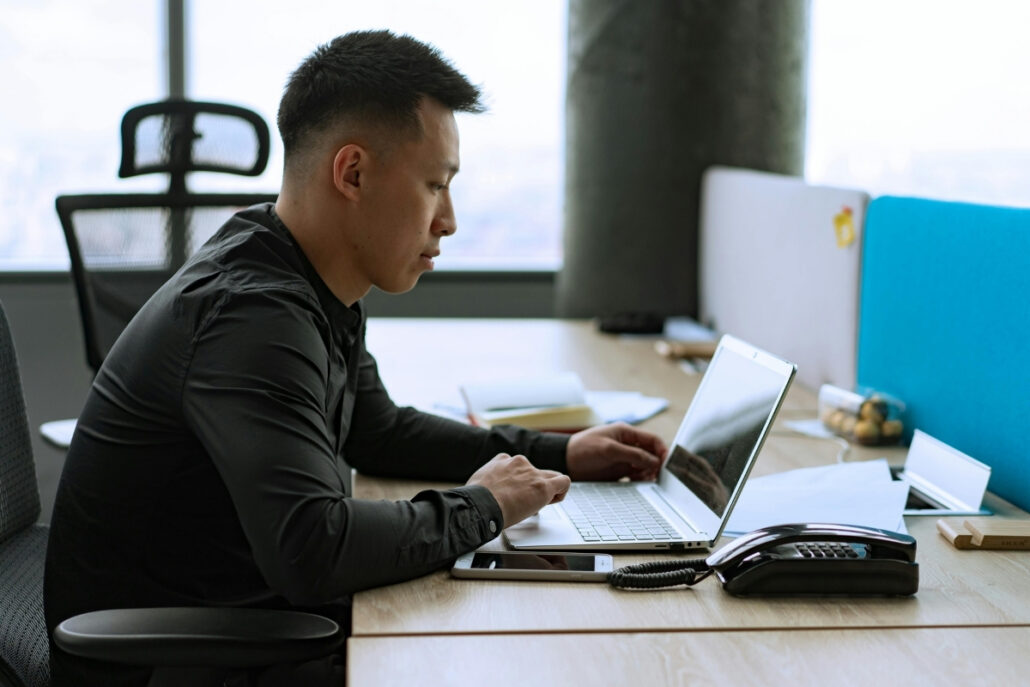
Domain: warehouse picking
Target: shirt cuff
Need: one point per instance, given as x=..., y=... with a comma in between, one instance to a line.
x=548, y=452
x=491, y=521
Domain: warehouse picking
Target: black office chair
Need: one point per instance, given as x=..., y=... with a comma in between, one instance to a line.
x=171, y=639
x=124, y=246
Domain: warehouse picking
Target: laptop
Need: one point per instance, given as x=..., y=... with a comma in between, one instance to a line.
x=780, y=266
x=702, y=475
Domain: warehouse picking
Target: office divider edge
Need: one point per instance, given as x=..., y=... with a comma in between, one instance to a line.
x=945, y=325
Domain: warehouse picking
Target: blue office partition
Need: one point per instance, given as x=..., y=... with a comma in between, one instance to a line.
x=944, y=325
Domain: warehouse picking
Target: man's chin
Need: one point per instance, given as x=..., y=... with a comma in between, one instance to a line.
x=397, y=288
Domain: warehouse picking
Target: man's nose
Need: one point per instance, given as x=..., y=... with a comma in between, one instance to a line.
x=445, y=223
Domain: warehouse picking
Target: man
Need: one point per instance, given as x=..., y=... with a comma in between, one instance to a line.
x=208, y=464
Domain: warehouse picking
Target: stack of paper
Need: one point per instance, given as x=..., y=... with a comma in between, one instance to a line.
x=859, y=493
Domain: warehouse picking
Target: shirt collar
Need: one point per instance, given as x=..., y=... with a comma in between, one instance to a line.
x=351, y=317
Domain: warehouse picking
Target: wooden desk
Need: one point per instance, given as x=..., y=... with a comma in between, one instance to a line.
x=419, y=359
x=956, y=588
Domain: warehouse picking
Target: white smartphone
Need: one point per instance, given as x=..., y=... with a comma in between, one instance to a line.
x=520, y=565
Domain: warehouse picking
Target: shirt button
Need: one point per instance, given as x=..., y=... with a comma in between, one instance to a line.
x=493, y=527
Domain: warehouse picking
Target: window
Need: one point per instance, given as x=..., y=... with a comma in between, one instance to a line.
x=923, y=97
x=71, y=69
x=74, y=68
x=508, y=196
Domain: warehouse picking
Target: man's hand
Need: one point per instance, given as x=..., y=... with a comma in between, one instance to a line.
x=610, y=452
x=520, y=489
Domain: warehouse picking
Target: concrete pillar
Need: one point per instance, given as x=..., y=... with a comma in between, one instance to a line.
x=658, y=90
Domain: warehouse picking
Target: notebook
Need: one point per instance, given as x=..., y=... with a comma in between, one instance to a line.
x=780, y=266
x=699, y=481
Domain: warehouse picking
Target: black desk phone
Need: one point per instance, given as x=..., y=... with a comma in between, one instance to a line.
x=796, y=560
x=818, y=559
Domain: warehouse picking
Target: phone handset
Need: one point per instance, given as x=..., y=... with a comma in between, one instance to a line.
x=884, y=544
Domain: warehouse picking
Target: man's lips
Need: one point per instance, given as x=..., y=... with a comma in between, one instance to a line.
x=427, y=258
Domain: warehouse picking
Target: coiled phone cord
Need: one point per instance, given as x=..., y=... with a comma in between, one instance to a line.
x=658, y=574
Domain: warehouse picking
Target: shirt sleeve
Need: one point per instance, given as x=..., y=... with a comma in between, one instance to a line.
x=391, y=441
x=254, y=396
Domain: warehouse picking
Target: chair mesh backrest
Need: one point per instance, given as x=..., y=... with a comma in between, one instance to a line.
x=179, y=136
x=19, y=493
x=124, y=247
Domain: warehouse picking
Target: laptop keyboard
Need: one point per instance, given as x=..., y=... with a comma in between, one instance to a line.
x=609, y=513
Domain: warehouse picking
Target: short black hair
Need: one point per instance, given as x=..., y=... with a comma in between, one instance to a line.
x=375, y=77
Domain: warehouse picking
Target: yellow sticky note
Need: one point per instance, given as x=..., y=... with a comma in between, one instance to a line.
x=844, y=227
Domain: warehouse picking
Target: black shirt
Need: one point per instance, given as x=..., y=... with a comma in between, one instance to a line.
x=211, y=460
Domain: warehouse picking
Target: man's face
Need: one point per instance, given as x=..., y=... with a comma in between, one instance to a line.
x=406, y=203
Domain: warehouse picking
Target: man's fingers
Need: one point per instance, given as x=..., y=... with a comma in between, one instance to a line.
x=636, y=458
x=650, y=443
x=560, y=483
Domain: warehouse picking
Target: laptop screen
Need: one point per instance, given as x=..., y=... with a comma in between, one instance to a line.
x=726, y=424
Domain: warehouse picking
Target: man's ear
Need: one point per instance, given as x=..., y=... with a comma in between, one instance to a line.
x=348, y=167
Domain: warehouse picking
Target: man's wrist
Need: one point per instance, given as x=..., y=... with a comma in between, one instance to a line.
x=491, y=520
x=549, y=451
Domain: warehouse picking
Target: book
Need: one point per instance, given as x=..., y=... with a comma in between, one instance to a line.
x=555, y=403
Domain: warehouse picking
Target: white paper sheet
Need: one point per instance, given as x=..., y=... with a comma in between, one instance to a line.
x=59, y=432
x=625, y=406
x=859, y=493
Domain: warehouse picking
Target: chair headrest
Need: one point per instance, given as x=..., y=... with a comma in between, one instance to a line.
x=180, y=136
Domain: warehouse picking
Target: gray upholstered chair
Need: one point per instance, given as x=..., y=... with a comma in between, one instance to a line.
x=23, y=638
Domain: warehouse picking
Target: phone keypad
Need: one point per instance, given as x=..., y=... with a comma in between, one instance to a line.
x=829, y=550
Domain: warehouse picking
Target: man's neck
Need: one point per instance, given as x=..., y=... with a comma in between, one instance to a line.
x=323, y=246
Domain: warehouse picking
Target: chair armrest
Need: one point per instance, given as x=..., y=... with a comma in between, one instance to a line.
x=230, y=637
